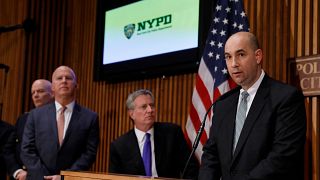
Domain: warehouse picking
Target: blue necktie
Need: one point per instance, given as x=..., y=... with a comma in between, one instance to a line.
x=241, y=117
x=147, y=155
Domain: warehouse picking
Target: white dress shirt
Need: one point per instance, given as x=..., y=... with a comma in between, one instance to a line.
x=252, y=91
x=67, y=114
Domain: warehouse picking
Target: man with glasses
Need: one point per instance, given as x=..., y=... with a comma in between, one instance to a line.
x=150, y=149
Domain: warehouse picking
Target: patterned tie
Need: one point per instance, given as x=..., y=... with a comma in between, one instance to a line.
x=147, y=155
x=60, y=124
x=240, y=118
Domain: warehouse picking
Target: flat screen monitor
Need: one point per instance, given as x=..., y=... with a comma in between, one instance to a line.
x=147, y=38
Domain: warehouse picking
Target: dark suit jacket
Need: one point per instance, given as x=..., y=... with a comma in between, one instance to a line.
x=271, y=144
x=171, y=153
x=40, y=150
x=5, y=131
x=8, y=163
x=13, y=145
x=19, y=131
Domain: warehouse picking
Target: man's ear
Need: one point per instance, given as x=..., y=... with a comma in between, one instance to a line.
x=76, y=85
x=131, y=114
x=259, y=56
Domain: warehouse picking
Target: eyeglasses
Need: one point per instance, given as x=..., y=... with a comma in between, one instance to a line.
x=145, y=106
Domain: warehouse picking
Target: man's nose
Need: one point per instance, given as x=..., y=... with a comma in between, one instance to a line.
x=234, y=62
x=64, y=79
x=36, y=94
x=149, y=108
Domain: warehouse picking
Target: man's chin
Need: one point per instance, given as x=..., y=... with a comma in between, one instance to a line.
x=149, y=122
x=238, y=81
x=65, y=94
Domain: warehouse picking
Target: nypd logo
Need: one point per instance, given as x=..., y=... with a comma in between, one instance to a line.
x=149, y=26
x=129, y=30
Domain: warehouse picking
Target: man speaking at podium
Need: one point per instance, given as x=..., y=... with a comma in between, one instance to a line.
x=259, y=130
x=151, y=148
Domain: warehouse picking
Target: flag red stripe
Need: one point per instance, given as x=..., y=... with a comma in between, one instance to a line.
x=216, y=94
x=196, y=123
x=232, y=84
x=203, y=92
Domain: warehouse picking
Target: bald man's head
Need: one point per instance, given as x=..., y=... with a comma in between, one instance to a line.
x=41, y=92
x=248, y=37
x=243, y=58
x=64, y=85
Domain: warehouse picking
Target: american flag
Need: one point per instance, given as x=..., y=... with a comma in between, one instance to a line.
x=212, y=79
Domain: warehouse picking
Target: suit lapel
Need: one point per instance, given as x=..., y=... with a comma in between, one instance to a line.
x=158, y=143
x=229, y=118
x=133, y=145
x=254, y=112
x=52, y=120
x=72, y=124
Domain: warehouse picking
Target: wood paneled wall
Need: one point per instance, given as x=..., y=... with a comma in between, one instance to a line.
x=66, y=35
x=12, y=47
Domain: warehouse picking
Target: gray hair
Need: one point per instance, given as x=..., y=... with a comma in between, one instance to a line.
x=135, y=94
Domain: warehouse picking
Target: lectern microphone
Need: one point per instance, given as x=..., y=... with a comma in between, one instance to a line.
x=28, y=25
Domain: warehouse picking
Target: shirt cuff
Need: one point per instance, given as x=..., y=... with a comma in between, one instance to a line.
x=15, y=174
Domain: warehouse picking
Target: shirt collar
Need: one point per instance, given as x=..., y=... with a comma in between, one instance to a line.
x=141, y=134
x=69, y=106
x=254, y=88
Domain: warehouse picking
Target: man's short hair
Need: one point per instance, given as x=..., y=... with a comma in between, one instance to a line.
x=135, y=94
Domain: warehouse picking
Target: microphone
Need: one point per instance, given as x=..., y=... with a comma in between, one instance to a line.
x=28, y=25
x=203, y=123
x=5, y=67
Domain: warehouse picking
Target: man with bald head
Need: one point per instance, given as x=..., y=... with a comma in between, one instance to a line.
x=61, y=135
x=258, y=130
x=41, y=92
x=41, y=95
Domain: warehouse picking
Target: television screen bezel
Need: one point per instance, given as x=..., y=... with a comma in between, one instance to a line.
x=167, y=64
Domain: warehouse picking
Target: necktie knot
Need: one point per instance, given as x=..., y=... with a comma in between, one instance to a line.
x=63, y=109
x=244, y=95
x=147, y=136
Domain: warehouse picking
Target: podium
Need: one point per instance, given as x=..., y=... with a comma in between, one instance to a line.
x=76, y=175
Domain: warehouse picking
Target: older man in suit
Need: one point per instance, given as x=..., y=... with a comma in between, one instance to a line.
x=151, y=148
x=62, y=135
x=258, y=131
x=7, y=157
x=41, y=94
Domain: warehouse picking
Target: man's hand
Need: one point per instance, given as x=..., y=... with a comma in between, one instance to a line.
x=22, y=175
x=54, y=177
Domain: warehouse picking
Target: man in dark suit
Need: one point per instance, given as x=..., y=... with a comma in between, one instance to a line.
x=7, y=159
x=169, y=150
x=60, y=135
x=269, y=142
x=41, y=94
